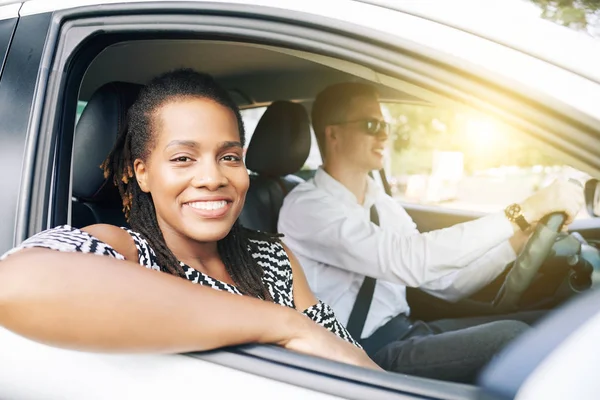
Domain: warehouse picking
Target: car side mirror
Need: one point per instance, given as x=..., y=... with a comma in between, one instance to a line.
x=592, y=197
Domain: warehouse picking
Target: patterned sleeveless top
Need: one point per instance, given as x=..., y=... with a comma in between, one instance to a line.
x=271, y=256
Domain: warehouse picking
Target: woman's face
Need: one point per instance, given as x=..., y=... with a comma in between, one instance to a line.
x=195, y=171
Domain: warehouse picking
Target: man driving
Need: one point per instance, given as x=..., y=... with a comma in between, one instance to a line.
x=360, y=249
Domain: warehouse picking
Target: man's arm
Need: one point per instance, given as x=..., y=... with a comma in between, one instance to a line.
x=317, y=227
x=464, y=282
x=468, y=280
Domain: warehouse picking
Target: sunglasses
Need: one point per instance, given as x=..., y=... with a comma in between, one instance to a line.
x=371, y=126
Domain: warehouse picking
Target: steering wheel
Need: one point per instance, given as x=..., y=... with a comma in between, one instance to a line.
x=528, y=263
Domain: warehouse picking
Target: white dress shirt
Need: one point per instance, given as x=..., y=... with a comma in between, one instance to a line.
x=337, y=245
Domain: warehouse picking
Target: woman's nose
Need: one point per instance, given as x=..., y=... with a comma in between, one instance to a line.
x=210, y=176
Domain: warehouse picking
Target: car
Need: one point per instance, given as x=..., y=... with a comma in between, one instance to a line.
x=70, y=69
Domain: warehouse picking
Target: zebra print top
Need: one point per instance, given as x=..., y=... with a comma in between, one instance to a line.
x=271, y=256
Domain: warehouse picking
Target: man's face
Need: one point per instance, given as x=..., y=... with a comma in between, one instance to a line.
x=359, y=140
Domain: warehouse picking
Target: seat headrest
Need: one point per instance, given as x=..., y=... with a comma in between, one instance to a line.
x=99, y=125
x=281, y=141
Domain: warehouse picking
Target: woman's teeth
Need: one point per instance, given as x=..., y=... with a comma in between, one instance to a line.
x=208, y=205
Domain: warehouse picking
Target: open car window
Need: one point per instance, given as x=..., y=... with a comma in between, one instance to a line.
x=464, y=160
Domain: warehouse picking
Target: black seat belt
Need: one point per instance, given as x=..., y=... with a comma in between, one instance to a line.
x=361, y=307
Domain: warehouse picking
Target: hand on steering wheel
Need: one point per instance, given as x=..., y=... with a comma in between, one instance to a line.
x=564, y=196
x=528, y=263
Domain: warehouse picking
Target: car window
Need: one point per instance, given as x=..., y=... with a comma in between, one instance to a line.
x=251, y=116
x=464, y=160
x=80, y=106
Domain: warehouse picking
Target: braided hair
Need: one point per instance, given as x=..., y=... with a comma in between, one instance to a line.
x=137, y=139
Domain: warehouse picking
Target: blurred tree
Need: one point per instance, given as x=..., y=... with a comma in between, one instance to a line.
x=575, y=14
x=420, y=130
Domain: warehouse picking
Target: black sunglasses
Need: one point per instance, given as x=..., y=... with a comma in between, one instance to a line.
x=371, y=126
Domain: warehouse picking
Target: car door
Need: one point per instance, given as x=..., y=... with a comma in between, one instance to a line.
x=48, y=39
x=45, y=116
x=21, y=45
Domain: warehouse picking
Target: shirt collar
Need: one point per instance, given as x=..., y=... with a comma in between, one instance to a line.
x=328, y=183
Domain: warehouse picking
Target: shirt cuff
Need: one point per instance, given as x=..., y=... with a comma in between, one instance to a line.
x=507, y=254
x=499, y=223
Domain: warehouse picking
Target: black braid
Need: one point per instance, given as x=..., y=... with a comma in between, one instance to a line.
x=136, y=140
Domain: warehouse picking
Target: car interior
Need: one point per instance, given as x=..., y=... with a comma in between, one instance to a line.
x=256, y=76
x=285, y=81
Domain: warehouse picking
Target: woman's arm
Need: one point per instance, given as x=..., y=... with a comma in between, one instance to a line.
x=97, y=303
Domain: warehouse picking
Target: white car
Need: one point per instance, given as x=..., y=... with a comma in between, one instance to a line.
x=536, y=77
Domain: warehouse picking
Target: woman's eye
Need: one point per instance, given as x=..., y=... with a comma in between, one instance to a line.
x=181, y=159
x=231, y=157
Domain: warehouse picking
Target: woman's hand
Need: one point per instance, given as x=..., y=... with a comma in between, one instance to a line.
x=317, y=341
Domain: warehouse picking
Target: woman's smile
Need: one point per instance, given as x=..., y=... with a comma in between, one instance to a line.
x=209, y=208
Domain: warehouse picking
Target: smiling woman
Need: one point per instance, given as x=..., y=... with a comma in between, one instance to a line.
x=193, y=152
x=178, y=167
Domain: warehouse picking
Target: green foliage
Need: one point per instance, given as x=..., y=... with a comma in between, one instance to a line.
x=575, y=14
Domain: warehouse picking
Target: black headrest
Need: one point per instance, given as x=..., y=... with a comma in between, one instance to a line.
x=98, y=127
x=281, y=141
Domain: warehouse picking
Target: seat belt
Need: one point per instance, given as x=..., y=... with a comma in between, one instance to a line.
x=361, y=307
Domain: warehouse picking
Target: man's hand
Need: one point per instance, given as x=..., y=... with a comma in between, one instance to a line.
x=560, y=196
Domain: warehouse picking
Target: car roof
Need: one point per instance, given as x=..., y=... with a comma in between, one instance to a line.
x=516, y=24
x=255, y=74
x=522, y=29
